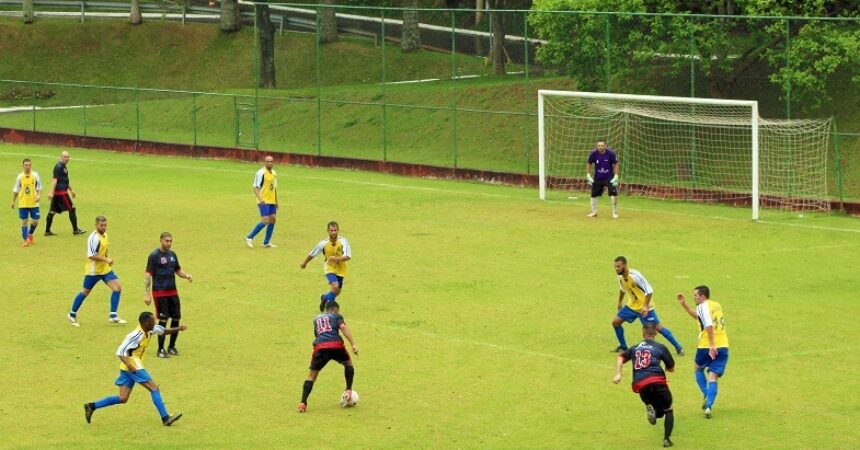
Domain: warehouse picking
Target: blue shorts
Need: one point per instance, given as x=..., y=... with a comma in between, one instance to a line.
x=128, y=379
x=717, y=366
x=90, y=281
x=23, y=213
x=267, y=209
x=628, y=315
x=332, y=278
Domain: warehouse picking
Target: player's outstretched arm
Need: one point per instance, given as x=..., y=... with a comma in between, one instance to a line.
x=175, y=330
x=683, y=302
x=348, y=335
x=304, y=263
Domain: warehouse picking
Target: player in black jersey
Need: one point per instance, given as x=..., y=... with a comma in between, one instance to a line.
x=328, y=345
x=162, y=267
x=649, y=379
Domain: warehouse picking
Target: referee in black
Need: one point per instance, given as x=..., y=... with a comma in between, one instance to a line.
x=61, y=195
x=161, y=270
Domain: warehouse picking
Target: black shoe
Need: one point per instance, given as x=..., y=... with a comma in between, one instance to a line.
x=667, y=442
x=681, y=352
x=322, y=303
x=89, y=409
x=79, y=231
x=170, y=419
x=162, y=353
x=652, y=415
x=48, y=233
x=172, y=351
x=618, y=349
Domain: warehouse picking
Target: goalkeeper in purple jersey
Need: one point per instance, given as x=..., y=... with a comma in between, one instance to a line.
x=605, y=176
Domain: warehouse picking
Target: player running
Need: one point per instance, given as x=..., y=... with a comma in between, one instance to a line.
x=713, y=349
x=131, y=369
x=337, y=252
x=649, y=379
x=328, y=346
x=26, y=193
x=98, y=268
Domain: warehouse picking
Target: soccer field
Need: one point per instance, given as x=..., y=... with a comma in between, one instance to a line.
x=482, y=315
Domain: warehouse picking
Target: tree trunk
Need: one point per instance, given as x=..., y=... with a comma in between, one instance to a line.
x=28, y=11
x=498, y=23
x=328, y=23
x=411, y=34
x=136, y=18
x=231, y=16
x=266, y=35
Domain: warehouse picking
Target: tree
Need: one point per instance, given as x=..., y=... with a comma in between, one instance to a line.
x=411, y=34
x=29, y=16
x=328, y=22
x=497, y=21
x=266, y=36
x=136, y=17
x=231, y=16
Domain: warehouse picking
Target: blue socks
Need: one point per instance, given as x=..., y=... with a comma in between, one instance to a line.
x=256, y=230
x=76, y=305
x=669, y=337
x=619, y=333
x=32, y=228
x=269, y=229
x=114, y=303
x=702, y=381
x=24, y=232
x=159, y=404
x=107, y=401
x=711, y=395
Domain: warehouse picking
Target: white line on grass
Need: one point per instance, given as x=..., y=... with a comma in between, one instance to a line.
x=447, y=191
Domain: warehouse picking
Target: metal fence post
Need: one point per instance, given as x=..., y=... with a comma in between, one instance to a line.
x=526, y=90
x=788, y=69
x=840, y=180
x=453, y=86
x=608, y=43
x=34, y=109
x=692, y=57
x=84, y=108
x=319, y=89
x=83, y=8
x=194, y=117
x=137, y=112
x=384, y=92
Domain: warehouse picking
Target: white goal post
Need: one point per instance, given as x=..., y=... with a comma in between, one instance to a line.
x=709, y=150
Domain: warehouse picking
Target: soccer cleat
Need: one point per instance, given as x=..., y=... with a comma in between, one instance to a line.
x=31, y=240
x=708, y=413
x=89, y=409
x=73, y=320
x=303, y=407
x=618, y=349
x=345, y=398
x=171, y=419
x=681, y=352
x=162, y=353
x=25, y=244
x=615, y=215
x=667, y=442
x=270, y=245
x=48, y=233
x=116, y=319
x=79, y=231
x=593, y=214
x=652, y=415
x=250, y=242
x=172, y=351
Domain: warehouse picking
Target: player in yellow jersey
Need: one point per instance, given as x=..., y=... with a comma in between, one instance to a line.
x=98, y=268
x=26, y=193
x=713, y=349
x=337, y=252
x=131, y=369
x=639, y=305
x=266, y=191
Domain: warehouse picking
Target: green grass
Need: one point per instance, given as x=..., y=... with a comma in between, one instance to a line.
x=482, y=315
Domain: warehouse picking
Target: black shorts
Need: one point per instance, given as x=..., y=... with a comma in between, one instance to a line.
x=60, y=203
x=598, y=186
x=657, y=395
x=322, y=356
x=168, y=308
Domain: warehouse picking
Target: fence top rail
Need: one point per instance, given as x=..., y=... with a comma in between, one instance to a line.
x=655, y=98
x=124, y=88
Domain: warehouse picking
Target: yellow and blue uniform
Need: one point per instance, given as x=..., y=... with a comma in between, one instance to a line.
x=337, y=270
x=95, y=271
x=28, y=187
x=637, y=289
x=267, y=182
x=710, y=314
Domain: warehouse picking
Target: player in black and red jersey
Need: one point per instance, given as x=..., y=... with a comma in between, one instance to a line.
x=162, y=266
x=328, y=345
x=649, y=379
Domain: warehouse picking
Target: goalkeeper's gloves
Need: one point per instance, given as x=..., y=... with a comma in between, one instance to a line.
x=589, y=179
x=614, y=180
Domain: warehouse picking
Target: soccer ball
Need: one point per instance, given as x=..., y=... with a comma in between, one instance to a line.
x=349, y=399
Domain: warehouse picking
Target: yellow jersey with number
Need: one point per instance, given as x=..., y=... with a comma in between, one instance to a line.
x=97, y=244
x=710, y=313
x=28, y=188
x=329, y=248
x=267, y=182
x=637, y=289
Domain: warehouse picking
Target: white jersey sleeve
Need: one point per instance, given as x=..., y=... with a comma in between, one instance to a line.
x=17, y=187
x=38, y=181
x=258, y=179
x=347, y=251
x=641, y=282
x=93, y=244
x=319, y=248
x=703, y=310
x=131, y=342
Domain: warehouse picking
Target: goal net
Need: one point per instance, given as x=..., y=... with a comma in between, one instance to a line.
x=703, y=150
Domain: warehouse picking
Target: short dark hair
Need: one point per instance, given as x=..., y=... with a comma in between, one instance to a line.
x=100, y=219
x=649, y=329
x=165, y=234
x=332, y=223
x=331, y=305
x=144, y=316
x=621, y=258
x=601, y=140
x=704, y=291
x=25, y=161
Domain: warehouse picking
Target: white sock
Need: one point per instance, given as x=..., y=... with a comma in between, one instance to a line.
x=615, y=204
x=594, y=205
